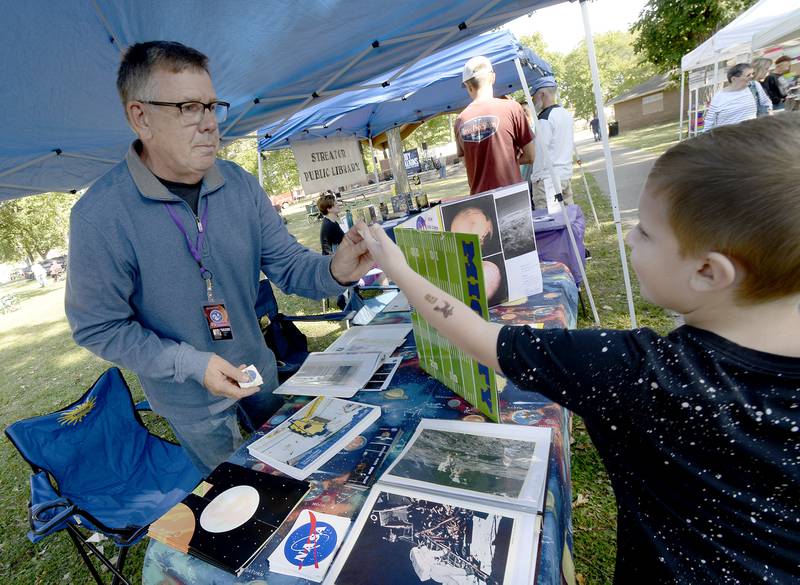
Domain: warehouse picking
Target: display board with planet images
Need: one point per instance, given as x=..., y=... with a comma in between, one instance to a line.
x=451, y=261
x=503, y=221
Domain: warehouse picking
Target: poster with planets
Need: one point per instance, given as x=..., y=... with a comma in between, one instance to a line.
x=230, y=517
x=503, y=221
x=452, y=262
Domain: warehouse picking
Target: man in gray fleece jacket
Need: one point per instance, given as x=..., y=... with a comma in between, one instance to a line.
x=166, y=251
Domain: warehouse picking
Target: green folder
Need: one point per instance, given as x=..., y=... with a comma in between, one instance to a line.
x=451, y=261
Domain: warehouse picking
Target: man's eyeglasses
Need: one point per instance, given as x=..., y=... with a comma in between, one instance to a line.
x=192, y=112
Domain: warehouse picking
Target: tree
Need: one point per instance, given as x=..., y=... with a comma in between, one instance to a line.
x=668, y=29
x=434, y=132
x=536, y=43
x=618, y=66
x=32, y=226
x=279, y=166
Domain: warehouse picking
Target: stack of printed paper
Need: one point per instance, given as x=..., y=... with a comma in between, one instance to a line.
x=313, y=435
x=332, y=374
x=227, y=521
x=392, y=301
x=310, y=547
x=371, y=338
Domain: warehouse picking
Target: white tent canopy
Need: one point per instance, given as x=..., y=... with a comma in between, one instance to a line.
x=787, y=29
x=737, y=37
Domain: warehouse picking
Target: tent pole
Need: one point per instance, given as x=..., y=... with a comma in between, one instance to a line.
x=680, y=118
x=586, y=186
x=29, y=163
x=557, y=185
x=260, y=166
x=612, y=184
x=374, y=160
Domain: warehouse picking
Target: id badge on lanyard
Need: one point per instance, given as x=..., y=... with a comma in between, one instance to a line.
x=214, y=311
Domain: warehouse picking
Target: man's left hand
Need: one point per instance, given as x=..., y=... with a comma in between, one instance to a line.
x=352, y=259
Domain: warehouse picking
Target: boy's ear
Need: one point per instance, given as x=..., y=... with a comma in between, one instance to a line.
x=715, y=272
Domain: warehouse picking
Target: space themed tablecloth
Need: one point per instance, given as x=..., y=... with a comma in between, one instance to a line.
x=411, y=396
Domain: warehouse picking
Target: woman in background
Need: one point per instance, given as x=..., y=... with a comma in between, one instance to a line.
x=740, y=100
x=330, y=233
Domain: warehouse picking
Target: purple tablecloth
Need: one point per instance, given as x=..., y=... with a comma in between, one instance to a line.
x=552, y=239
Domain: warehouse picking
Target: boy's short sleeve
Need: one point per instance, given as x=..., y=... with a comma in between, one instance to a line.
x=583, y=370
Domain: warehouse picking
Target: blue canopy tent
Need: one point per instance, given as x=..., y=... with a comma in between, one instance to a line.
x=62, y=122
x=432, y=86
x=63, y=126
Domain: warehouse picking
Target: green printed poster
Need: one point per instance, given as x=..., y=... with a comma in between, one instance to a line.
x=451, y=261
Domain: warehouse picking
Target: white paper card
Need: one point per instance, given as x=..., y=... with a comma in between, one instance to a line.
x=310, y=547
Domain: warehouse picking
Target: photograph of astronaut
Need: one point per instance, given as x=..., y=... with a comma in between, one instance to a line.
x=428, y=542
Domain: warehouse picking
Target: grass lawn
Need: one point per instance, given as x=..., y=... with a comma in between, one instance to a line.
x=655, y=139
x=44, y=370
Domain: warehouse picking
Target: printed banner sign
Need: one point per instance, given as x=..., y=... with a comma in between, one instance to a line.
x=329, y=163
x=411, y=161
x=697, y=79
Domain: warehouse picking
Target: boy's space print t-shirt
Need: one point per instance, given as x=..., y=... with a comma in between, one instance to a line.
x=701, y=440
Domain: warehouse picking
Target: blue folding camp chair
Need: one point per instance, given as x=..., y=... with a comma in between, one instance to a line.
x=95, y=465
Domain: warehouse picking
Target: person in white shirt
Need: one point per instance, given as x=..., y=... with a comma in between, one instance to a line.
x=738, y=101
x=554, y=137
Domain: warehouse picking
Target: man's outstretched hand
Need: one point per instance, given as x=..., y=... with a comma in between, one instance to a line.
x=222, y=378
x=352, y=259
x=383, y=249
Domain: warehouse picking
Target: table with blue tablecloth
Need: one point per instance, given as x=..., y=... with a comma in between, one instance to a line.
x=411, y=396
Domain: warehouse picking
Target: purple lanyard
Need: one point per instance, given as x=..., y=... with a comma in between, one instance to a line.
x=195, y=248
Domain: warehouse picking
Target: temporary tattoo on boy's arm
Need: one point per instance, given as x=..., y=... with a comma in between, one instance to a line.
x=446, y=309
x=431, y=299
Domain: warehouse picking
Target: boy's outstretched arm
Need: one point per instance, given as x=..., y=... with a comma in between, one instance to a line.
x=452, y=318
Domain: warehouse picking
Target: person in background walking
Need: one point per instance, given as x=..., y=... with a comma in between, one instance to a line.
x=595, y=126
x=40, y=274
x=740, y=100
x=330, y=232
x=555, y=138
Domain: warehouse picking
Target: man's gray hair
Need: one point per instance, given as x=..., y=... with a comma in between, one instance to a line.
x=141, y=59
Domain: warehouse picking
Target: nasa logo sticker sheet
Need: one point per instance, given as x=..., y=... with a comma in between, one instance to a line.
x=309, y=548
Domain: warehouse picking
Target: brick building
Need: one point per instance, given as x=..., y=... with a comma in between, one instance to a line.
x=655, y=101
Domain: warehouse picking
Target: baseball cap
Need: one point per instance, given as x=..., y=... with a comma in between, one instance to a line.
x=542, y=82
x=474, y=67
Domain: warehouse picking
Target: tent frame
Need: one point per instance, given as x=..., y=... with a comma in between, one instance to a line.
x=612, y=183
x=559, y=197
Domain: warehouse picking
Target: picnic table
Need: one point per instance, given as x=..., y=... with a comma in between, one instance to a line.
x=414, y=395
